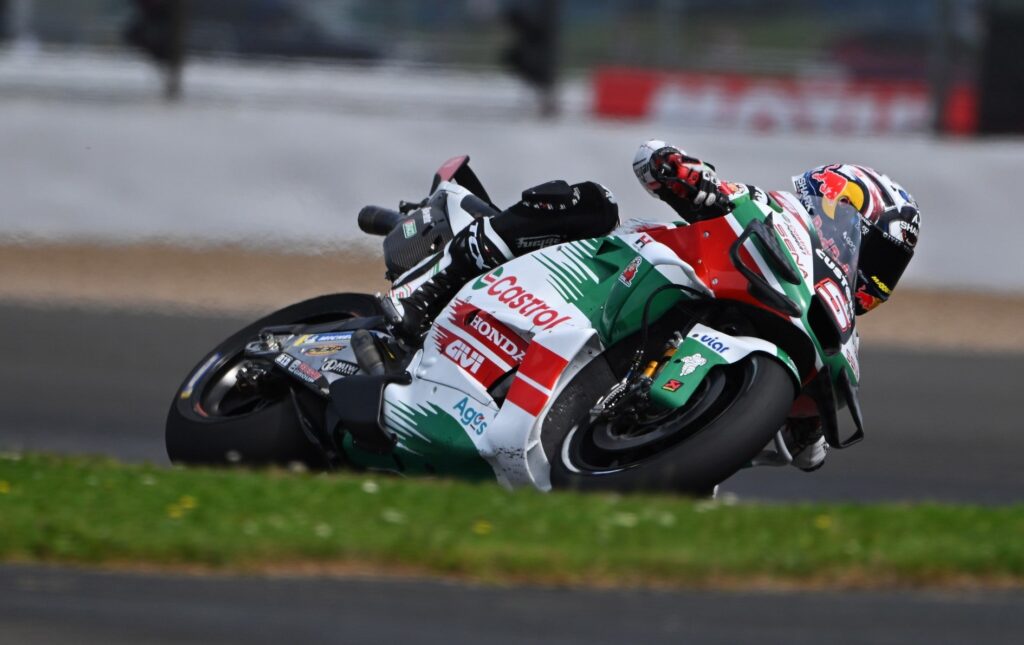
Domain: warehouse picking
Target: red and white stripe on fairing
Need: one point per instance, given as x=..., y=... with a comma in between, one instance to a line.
x=536, y=379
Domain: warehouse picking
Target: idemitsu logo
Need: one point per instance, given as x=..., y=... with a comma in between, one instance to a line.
x=520, y=300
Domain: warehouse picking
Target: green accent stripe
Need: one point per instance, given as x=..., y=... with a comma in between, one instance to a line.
x=572, y=265
x=561, y=279
x=581, y=257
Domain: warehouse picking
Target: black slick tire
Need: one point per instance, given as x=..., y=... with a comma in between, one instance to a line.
x=270, y=434
x=711, y=454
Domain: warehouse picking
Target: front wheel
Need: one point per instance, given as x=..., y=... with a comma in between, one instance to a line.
x=729, y=419
x=213, y=421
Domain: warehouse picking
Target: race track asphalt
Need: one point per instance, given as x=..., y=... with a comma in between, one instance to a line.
x=117, y=608
x=940, y=426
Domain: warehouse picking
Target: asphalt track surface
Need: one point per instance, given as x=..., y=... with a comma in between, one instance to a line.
x=939, y=426
x=942, y=426
x=115, y=608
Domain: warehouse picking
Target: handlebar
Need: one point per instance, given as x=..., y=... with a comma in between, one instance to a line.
x=377, y=220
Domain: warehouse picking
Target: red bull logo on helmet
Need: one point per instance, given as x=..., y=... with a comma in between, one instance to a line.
x=835, y=187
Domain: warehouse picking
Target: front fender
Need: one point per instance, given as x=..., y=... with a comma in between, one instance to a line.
x=703, y=349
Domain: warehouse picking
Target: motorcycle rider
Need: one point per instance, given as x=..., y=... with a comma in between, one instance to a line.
x=890, y=222
x=556, y=212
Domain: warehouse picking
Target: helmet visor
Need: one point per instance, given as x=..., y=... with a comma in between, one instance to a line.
x=883, y=259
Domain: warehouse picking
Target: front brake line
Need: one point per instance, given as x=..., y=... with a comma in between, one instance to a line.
x=631, y=382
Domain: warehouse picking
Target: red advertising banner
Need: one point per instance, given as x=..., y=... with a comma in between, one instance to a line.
x=778, y=104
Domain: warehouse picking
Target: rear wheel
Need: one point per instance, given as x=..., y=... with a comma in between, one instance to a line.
x=725, y=424
x=215, y=420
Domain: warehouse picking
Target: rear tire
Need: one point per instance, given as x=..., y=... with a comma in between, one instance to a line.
x=726, y=438
x=267, y=431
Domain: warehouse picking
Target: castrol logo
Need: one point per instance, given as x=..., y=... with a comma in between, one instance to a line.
x=508, y=292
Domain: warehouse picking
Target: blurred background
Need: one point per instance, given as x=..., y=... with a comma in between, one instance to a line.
x=217, y=120
x=916, y=65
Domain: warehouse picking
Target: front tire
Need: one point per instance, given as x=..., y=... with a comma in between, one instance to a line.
x=751, y=399
x=205, y=427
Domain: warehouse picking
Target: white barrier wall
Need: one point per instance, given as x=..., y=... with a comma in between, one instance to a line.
x=258, y=175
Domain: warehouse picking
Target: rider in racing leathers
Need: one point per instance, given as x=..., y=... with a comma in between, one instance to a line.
x=890, y=221
x=556, y=212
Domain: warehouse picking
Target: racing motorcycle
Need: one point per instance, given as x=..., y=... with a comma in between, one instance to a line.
x=660, y=357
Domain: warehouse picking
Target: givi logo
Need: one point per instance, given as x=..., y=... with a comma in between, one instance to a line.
x=464, y=356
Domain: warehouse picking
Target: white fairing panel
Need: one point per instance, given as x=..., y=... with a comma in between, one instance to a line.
x=511, y=330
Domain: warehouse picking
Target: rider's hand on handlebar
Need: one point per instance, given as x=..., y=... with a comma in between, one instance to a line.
x=686, y=177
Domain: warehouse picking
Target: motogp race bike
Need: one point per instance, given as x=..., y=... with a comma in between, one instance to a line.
x=659, y=357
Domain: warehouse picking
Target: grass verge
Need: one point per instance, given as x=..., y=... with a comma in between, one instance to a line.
x=92, y=511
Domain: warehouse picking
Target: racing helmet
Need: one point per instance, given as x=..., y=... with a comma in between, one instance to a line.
x=889, y=217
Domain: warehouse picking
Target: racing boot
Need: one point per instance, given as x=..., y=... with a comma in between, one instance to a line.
x=419, y=296
x=806, y=443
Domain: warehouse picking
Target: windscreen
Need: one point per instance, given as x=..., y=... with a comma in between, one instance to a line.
x=837, y=252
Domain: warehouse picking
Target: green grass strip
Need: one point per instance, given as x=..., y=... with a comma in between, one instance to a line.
x=97, y=511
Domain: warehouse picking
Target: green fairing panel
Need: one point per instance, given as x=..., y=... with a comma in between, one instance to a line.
x=747, y=211
x=430, y=442
x=683, y=374
x=613, y=307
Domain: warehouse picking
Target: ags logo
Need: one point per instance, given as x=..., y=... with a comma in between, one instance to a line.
x=469, y=417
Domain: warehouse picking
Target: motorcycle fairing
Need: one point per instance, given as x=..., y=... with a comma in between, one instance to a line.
x=834, y=382
x=514, y=449
x=701, y=351
x=450, y=429
x=704, y=246
x=563, y=299
x=439, y=429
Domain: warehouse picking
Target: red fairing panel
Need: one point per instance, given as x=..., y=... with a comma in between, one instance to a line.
x=705, y=246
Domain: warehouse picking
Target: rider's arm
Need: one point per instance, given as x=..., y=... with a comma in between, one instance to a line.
x=685, y=183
